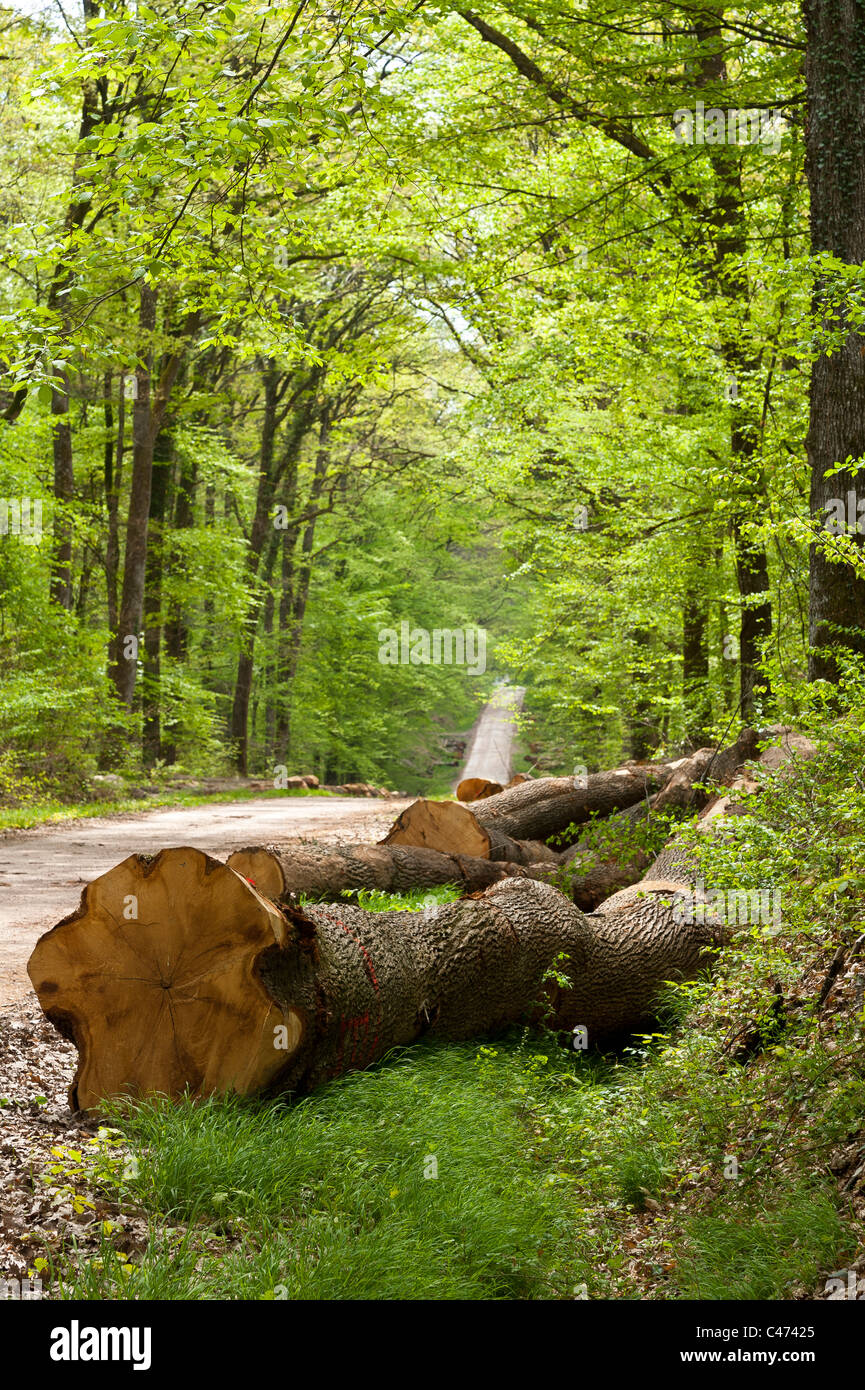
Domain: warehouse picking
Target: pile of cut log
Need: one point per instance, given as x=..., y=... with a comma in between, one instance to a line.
x=310, y=782
x=182, y=973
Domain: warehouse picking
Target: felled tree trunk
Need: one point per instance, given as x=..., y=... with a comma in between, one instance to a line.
x=548, y=805
x=706, y=765
x=324, y=872
x=176, y=974
x=539, y=809
x=156, y=979
x=451, y=828
x=445, y=826
x=608, y=856
x=472, y=968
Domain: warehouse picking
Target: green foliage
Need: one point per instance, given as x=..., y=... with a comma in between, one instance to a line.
x=501, y=348
x=375, y=901
x=760, y=1252
x=346, y=1212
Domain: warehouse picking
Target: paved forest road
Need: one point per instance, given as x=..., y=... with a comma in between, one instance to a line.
x=491, y=750
x=43, y=871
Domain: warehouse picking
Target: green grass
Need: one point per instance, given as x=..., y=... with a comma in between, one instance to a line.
x=334, y=1197
x=543, y=1162
x=759, y=1252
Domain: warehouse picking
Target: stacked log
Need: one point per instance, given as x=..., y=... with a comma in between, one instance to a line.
x=211, y=988
x=178, y=973
x=327, y=871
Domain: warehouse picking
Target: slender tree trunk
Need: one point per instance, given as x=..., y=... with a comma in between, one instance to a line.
x=755, y=628
x=84, y=584
x=263, y=504
x=64, y=476
x=270, y=477
x=64, y=490
x=125, y=646
x=113, y=470
x=642, y=740
x=295, y=592
x=176, y=628
x=272, y=639
x=282, y=725
x=207, y=609
x=163, y=454
x=724, y=636
x=148, y=413
x=835, y=139
x=729, y=274
x=695, y=665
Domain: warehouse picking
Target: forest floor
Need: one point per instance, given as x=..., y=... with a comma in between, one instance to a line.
x=43, y=870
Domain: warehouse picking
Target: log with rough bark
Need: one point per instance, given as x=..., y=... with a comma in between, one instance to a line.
x=451, y=828
x=176, y=974
x=608, y=855
x=686, y=787
x=550, y=805
x=780, y=757
x=283, y=874
x=546, y=806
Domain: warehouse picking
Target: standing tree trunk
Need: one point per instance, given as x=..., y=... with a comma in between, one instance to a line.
x=642, y=739
x=295, y=592
x=695, y=665
x=176, y=626
x=148, y=412
x=64, y=476
x=64, y=490
x=835, y=138
x=263, y=504
x=207, y=641
x=163, y=455
x=725, y=655
x=728, y=273
x=113, y=471
x=271, y=476
x=271, y=641
x=124, y=654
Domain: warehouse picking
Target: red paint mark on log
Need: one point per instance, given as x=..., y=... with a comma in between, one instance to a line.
x=359, y=1020
x=369, y=965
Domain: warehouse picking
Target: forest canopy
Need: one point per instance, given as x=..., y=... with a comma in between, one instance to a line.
x=322, y=320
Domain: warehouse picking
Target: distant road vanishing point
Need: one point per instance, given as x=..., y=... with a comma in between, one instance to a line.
x=490, y=751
